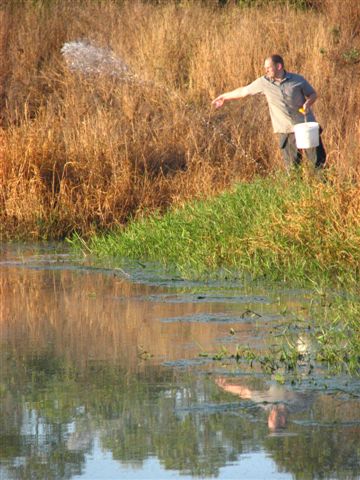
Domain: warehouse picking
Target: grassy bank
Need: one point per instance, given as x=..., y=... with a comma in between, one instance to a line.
x=88, y=152
x=279, y=227
x=299, y=231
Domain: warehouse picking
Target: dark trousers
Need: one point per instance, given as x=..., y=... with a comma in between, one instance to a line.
x=292, y=155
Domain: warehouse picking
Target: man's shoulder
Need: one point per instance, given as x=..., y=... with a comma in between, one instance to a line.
x=256, y=86
x=296, y=77
x=259, y=79
x=263, y=81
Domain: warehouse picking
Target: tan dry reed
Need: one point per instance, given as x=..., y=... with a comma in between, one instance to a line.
x=87, y=153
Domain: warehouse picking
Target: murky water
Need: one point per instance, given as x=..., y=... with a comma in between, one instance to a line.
x=101, y=378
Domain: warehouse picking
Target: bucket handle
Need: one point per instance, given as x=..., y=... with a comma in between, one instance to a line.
x=301, y=110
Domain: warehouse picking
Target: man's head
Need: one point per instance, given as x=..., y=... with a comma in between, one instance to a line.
x=277, y=417
x=274, y=67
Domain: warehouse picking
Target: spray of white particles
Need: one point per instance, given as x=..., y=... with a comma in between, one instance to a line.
x=83, y=57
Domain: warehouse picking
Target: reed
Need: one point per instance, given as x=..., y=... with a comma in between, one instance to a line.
x=87, y=153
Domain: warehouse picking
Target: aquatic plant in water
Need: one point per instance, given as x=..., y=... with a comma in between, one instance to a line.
x=325, y=341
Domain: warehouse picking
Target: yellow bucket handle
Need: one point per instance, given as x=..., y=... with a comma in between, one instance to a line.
x=301, y=110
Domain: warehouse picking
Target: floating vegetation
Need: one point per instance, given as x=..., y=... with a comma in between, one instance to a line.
x=297, y=350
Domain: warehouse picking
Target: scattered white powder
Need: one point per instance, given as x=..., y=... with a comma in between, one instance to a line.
x=84, y=57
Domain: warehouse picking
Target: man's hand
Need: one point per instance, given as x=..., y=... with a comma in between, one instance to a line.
x=240, y=92
x=218, y=102
x=309, y=101
x=305, y=108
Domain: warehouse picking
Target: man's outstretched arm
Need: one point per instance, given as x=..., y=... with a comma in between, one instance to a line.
x=240, y=92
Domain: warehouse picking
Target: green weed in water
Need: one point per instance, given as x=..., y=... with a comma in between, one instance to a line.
x=330, y=343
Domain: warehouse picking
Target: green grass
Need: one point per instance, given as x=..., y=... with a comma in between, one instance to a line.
x=280, y=228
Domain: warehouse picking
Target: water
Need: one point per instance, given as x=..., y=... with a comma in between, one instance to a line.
x=101, y=378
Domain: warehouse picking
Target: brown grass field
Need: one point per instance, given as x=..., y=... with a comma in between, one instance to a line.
x=89, y=152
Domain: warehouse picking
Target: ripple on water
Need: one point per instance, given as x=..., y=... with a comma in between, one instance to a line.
x=207, y=298
x=245, y=318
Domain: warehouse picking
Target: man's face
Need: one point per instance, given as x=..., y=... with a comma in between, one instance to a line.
x=277, y=418
x=271, y=68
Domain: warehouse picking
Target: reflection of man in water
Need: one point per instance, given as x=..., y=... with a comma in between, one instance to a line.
x=277, y=400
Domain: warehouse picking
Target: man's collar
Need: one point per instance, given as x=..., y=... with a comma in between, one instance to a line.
x=286, y=76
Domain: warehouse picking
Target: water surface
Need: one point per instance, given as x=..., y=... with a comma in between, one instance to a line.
x=101, y=378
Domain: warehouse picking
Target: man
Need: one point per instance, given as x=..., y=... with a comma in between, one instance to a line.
x=277, y=400
x=290, y=98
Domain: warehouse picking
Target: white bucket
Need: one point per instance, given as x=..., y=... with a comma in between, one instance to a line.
x=307, y=134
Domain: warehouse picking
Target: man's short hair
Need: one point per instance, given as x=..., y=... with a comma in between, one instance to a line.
x=277, y=59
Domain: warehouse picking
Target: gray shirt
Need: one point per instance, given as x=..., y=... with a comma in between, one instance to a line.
x=284, y=100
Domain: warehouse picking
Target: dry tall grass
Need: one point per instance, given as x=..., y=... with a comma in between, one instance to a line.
x=84, y=153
